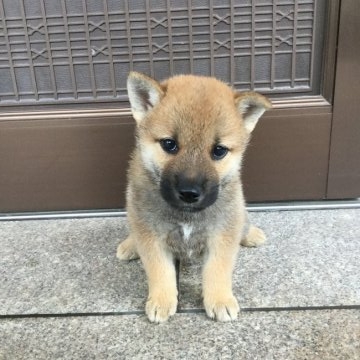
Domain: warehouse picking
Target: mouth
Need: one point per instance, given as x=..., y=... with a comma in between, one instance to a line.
x=187, y=208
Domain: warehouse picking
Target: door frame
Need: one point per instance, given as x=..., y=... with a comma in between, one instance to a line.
x=344, y=157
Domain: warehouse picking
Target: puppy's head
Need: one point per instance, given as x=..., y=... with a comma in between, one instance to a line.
x=192, y=132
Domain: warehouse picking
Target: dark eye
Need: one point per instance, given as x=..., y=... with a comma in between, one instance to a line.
x=169, y=145
x=219, y=152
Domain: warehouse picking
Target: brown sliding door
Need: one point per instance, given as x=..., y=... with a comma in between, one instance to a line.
x=65, y=127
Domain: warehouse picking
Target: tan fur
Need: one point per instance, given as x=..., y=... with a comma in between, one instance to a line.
x=199, y=113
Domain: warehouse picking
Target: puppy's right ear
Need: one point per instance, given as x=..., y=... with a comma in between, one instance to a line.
x=144, y=93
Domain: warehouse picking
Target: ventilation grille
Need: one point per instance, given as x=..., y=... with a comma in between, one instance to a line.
x=66, y=51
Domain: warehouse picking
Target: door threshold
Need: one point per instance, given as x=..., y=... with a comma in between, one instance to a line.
x=274, y=206
x=305, y=205
x=71, y=214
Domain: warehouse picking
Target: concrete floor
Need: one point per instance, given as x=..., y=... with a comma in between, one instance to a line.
x=64, y=295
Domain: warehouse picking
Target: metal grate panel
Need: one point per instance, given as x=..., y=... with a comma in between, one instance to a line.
x=65, y=51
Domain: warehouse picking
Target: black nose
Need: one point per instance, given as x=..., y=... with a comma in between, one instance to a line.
x=189, y=195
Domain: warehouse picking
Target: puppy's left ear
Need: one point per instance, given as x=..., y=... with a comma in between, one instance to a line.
x=251, y=106
x=144, y=94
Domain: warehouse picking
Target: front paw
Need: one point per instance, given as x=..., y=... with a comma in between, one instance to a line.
x=221, y=308
x=160, y=307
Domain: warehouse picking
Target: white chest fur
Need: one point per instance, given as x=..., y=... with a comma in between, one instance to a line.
x=187, y=230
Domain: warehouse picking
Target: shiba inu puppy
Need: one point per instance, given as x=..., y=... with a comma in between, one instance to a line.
x=184, y=192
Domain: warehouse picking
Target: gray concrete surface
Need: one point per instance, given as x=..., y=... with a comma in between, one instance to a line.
x=58, y=276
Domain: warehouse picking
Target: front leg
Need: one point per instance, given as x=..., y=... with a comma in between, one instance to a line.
x=161, y=274
x=219, y=300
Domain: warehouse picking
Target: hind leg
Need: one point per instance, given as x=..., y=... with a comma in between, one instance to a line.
x=254, y=237
x=127, y=249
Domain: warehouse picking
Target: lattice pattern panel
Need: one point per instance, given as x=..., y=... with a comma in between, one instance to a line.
x=63, y=51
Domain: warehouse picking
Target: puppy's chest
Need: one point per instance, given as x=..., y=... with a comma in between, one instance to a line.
x=185, y=241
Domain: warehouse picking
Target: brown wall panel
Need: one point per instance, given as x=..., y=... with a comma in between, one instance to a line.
x=63, y=164
x=52, y=164
x=288, y=156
